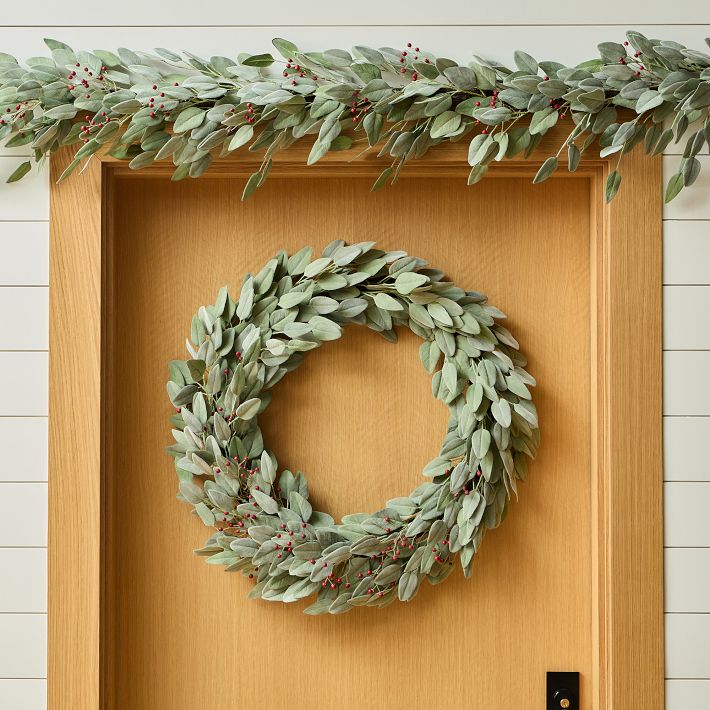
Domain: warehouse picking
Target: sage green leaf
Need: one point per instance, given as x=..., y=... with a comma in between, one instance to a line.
x=300, y=590
x=298, y=261
x=243, y=135
x=382, y=179
x=285, y=48
x=316, y=267
x=249, y=409
x=191, y=492
x=221, y=500
x=675, y=185
x=20, y=171
x=501, y=412
x=300, y=505
x=613, y=181
x=691, y=170
x=542, y=121
x=251, y=185
x=477, y=174
x=324, y=329
x=62, y=113
x=525, y=62
x=407, y=281
x=429, y=354
x=420, y=315
x=480, y=442
x=293, y=298
x=450, y=375
x=650, y=99
x=206, y=515
x=439, y=313
x=408, y=586
x=331, y=282
x=188, y=119
x=265, y=502
x=387, y=302
x=267, y=467
x=546, y=169
x=373, y=127
x=258, y=60
x=246, y=299
x=445, y=124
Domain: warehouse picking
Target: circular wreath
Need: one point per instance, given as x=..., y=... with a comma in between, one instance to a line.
x=265, y=525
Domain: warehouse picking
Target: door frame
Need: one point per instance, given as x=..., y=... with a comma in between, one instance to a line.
x=625, y=380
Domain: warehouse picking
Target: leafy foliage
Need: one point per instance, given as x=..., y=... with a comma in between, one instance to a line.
x=143, y=106
x=266, y=526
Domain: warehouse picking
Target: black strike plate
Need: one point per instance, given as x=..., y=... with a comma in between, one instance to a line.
x=562, y=690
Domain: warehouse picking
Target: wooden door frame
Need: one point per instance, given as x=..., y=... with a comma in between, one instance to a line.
x=626, y=385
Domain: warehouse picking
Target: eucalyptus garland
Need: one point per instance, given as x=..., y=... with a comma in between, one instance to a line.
x=145, y=107
x=266, y=526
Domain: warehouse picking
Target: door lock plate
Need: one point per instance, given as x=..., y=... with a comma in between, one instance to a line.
x=562, y=690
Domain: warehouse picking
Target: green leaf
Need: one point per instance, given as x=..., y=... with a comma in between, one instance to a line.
x=252, y=183
x=325, y=329
x=407, y=281
x=373, y=127
x=480, y=442
x=675, y=185
x=429, y=354
x=265, y=502
x=691, y=170
x=543, y=120
x=248, y=410
x=613, y=181
x=258, y=60
x=477, y=173
x=300, y=505
x=387, y=302
x=285, y=48
x=546, y=169
x=61, y=113
x=525, y=62
x=20, y=171
x=650, y=99
x=449, y=375
x=408, y=586
x=206, y=515
x=445, y=124
x=243, y=135
x=382, y=179
x=189, y=118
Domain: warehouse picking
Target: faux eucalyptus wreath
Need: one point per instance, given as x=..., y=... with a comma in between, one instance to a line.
x=266, y=526
x=144, y=107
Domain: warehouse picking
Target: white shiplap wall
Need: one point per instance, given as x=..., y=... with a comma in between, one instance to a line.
x=546, y=30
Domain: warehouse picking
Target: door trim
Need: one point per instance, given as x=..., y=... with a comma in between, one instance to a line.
x=627, y=495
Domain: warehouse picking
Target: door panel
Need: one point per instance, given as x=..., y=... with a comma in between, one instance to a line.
x=360, y=420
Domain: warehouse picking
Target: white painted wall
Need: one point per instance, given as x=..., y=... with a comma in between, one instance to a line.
x=548, y=30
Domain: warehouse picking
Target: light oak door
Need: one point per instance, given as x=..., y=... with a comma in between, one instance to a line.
x=360, y=420
x=557, y=587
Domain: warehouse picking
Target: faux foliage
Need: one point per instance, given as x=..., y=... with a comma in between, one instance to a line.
x=150, y=106
x=266, y=525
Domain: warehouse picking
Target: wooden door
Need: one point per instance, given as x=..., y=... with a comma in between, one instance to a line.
x=360, y=420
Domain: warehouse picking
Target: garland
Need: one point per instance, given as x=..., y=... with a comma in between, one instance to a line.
x=267, y=527
x=144, y=107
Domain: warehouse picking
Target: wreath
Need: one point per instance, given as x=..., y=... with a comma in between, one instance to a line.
x=265, y=525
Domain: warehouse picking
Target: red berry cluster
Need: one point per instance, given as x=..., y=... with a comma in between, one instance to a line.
x=91, y=123
x=295, y=71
